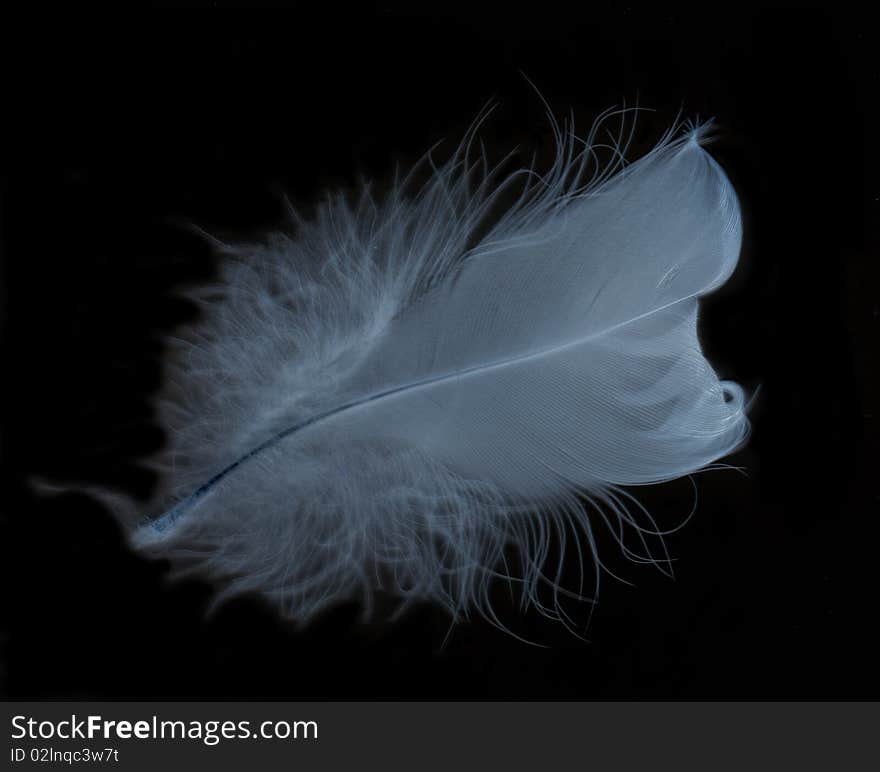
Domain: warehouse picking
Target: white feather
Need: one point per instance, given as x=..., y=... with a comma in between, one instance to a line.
x=405, y=394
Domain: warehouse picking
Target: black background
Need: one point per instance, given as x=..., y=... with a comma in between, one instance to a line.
x=121, y=128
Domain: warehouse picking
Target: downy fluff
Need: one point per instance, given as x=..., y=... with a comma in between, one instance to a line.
x=419, y=395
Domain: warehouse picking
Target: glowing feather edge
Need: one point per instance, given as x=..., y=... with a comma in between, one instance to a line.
x=452, y=394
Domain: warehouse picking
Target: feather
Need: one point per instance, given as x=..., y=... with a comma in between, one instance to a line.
x=419, y=395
